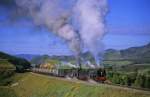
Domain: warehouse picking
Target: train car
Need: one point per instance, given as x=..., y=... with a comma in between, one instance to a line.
x=83, y=74
x=67, y=73
x=98, y=75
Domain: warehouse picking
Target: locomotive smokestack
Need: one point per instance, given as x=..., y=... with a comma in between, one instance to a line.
x=78, y=60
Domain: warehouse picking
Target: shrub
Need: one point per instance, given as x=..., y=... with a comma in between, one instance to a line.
x=5, y=77
x=139, y=82
x=147, y=82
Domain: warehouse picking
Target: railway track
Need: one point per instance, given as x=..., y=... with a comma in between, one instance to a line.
x=94, y=83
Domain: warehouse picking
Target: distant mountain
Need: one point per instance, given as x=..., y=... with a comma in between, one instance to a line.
x=138, y=54
x=28, y=57
x=112, y=54
x=39, y=59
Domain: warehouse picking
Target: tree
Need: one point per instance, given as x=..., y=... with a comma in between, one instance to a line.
x=147, y=82
x=140, y=79
x=124, y=79
x=116, y=78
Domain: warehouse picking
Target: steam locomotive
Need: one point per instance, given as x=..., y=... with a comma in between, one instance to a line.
x=98, y=75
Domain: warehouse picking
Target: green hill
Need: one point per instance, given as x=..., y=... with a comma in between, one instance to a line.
x=6, y=72
x=9, y=65
x=4, y=64
x=136, y=54
x=112, y=54
x=39, y=59
x=20, y=63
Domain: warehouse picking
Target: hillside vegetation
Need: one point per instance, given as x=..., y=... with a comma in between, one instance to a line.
x=137, y=54
x=7, y=92
x=34, y=85
x=20, y=63
x=4, y=64
x=9, y=65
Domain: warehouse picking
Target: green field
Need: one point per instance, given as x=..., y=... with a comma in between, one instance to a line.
x=117, y=62
x=35, y=85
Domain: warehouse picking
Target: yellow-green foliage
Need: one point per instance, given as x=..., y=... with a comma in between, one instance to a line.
x=52, y=61
x=6, y=72
x=6, y=92
x=119, y=63
x=34, y=85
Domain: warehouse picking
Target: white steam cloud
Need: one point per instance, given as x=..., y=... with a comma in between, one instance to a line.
x=53, y=15
x=76, y=21
x=91, y=17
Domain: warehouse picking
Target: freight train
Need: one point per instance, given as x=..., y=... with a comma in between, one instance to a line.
x=98, y=75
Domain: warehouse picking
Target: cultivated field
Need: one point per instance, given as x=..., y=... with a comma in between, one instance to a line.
x=35, y=85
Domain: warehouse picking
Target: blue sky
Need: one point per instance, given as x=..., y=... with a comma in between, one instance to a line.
x=128, y=24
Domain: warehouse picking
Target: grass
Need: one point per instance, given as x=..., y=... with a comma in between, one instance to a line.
x=6, y=92
x=118, y=63
x=33, y=85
